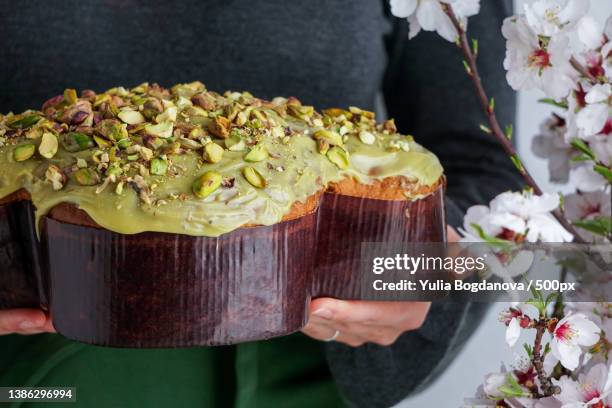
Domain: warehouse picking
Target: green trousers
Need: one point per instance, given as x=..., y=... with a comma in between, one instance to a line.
x=288, y=372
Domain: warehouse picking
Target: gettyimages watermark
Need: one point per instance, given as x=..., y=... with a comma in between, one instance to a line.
x=485, y=272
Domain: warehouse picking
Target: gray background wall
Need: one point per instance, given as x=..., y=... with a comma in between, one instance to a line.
x=487, y=348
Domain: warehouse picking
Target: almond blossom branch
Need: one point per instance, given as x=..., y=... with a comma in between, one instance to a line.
x=495, y=128
x=537, y=360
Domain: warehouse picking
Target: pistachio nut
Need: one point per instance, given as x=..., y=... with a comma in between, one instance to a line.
x=257, y=153
x=213, y=153
x=145, y=153
x=396, y=145
x=358, y=111
x=153, y=142
x=204, y=101
x=70, y=96
x=337, y=112
x=339, y=157
x=163, y=129
x=235, y=143
x=206, y=184
x=48, y=145
x=159, y=166
x=389, y=125
x=124, y=143
x=86, y=177
x=322, y=146
x=55, y=176
x=188, y=90
x=333, y=138
x=131, y=117
x=152, y=107
x=24, y=152
x=77, y=114
x=300, y=112
x=101, y=142
x=220, y=127
x=81, y=163
x=24, y=122
x=112, y=129
x=76, y=141
x=254, y=177
x=189, y=143
x=169, y=115
x=367, y=137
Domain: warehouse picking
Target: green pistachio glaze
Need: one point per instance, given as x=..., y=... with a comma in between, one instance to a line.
x=293, y=170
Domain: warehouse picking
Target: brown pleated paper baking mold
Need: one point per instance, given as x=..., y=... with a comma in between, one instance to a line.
x=169, y=290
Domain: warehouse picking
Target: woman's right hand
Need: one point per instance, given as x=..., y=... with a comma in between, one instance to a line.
x=25, y=321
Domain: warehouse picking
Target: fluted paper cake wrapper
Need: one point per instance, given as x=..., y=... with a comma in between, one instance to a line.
x=168, y=290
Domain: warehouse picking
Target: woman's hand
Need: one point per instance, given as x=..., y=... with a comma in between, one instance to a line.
x=358, y=322
x=25, y=321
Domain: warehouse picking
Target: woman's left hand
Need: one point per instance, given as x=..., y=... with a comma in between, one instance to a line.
x=356, y=322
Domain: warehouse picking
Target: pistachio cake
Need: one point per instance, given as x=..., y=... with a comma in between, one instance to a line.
x=191, y=161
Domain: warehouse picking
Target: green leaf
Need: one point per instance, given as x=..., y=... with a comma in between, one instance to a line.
x=490, y=239
x=580, y=145
x=475, y=46
x=517, y=163
x=550, y=298
x=485, y=129
x=509, y=131
x=467, y=67
x=509, y=392
x=558, y=104
x=581, y=158
x=604, y=171
x=599, y=225
x=492, y=105
x=528, y=350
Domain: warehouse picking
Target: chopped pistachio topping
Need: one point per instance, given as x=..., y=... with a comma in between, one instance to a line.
x=48, y=145
x=213, y=153
x=254, y=177
x=206, y=184
x=339, y=157
x=157, y=144
x=159, y=166
x=24, y=152
x=257, y=153
x=131, y=117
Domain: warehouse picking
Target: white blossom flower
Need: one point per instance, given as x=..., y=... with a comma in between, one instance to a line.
x=532, y=63
x=592, y=119
x=513, y=215
x=550, y=17
x=492, y=383
x=608, y=28
x=430, y=16
x=590, y=32
x=591, y=390
x=571, y=333
x=586, y=179
x=551, y=144
x=601, y=145
x=588, y=206
x=516, y=319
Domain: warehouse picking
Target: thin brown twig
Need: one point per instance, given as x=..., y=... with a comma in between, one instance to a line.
x=537, y=360
x=495, y=128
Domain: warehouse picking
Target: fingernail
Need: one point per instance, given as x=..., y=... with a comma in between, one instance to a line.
x=27, y=324
x=323, y=313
